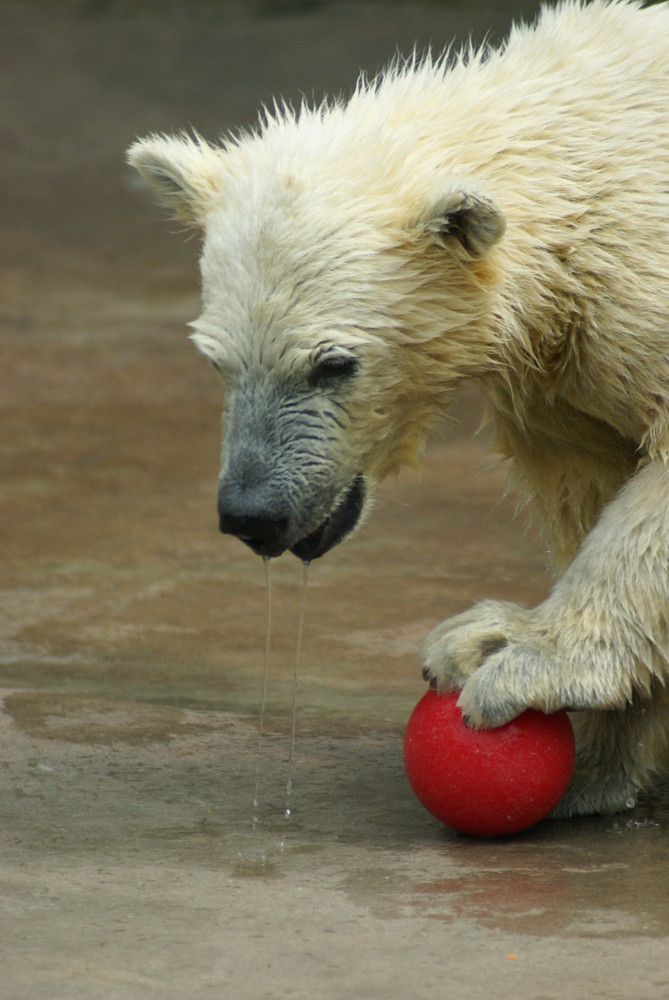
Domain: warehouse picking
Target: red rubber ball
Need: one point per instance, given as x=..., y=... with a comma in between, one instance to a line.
x=487, y=782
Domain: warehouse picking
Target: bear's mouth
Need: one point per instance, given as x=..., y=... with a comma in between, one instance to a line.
x=341, y=520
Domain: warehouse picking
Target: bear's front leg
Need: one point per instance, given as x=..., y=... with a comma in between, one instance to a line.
x=599, y=643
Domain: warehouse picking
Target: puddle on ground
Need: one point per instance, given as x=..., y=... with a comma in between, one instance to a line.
x=77, y=719
x=152, y=782
x=546, y=899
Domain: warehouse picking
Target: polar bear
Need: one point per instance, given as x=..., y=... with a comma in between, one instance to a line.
x=498, y=216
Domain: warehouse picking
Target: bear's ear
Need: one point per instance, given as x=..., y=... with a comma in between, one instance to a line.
x=186, y=172
x=468, y=220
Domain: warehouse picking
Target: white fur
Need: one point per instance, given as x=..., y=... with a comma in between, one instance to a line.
x=502, y=216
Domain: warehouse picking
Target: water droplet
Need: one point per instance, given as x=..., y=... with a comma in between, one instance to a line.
x=641, y=824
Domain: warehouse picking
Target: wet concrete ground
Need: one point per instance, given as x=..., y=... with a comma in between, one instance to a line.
x=131, y=632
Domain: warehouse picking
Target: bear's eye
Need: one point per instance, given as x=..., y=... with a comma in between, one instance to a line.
x=331, y=370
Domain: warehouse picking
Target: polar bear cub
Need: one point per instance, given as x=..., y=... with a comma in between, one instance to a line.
x=502, y=217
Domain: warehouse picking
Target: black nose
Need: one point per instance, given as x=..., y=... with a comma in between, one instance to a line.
x=265, y=535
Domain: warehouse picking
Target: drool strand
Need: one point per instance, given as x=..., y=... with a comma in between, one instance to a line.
x=293, y=722
x=265, y=676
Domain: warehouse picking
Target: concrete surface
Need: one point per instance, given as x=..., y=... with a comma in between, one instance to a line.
x=132, y=861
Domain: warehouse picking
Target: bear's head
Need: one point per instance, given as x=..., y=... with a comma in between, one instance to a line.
x=342, y=299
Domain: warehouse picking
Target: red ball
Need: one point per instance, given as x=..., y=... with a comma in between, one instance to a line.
x=487, y=782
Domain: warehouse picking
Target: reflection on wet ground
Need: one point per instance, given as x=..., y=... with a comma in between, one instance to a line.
x=132, y=860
